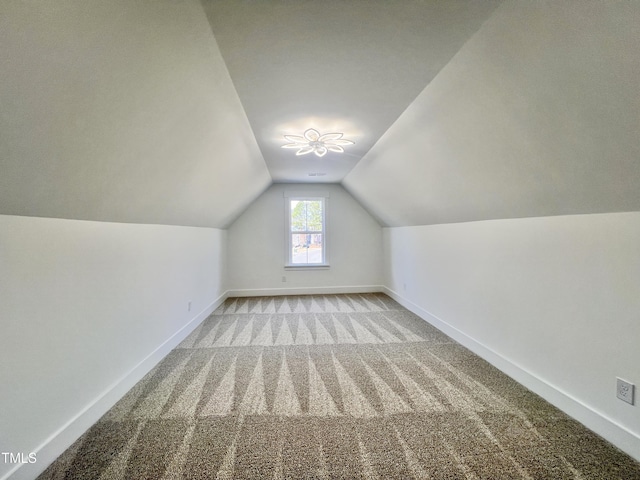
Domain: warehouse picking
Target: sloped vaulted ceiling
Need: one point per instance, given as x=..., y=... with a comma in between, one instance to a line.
x=174, y=112
x=334, y=65
x=538, y=114
x=121, y=111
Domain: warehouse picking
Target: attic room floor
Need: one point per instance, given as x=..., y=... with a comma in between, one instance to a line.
x=332, y=386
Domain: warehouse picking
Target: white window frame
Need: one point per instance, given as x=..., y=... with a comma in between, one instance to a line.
x=288, y=233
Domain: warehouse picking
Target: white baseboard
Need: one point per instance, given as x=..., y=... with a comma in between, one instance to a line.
x=57, y=443
x=267, y=292
x=617, y=434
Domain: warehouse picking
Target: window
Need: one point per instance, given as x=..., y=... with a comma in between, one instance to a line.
x=306, y=232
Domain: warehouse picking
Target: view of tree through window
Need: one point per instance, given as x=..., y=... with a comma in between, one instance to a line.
x=307, y=231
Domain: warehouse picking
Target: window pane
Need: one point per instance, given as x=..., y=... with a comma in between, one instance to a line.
x=298, y=216
x=306, y=248
x=314, y=215
x=306, y=215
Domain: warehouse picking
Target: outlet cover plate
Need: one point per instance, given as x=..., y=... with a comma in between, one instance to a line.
x=625, y=390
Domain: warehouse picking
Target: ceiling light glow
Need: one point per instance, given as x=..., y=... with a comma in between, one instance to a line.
x=313, y=142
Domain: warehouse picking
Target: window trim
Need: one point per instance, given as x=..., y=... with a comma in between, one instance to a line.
x=288, y=233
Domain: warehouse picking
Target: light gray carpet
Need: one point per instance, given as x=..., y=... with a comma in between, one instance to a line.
x=332, y=386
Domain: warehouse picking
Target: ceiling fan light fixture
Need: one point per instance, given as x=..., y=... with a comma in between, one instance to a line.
x=313, y=142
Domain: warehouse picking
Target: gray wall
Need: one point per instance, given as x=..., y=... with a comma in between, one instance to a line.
x=87, y=309
x=257, y=245
x=553, y=301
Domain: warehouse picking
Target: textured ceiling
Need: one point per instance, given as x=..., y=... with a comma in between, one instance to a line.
x=351, y=67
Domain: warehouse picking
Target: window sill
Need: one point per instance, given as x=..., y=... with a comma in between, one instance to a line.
x=308, y=266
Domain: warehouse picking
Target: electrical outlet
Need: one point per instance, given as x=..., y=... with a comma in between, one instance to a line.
x=625, y=390
x=404, y=287
x=284, y=279
x=189, y=306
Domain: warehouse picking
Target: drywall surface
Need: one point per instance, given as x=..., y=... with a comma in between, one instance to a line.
x=556, y=297
x=336, y=66
x=121, y=111
x=538, y=114
x=257, y=246
x=82, y=304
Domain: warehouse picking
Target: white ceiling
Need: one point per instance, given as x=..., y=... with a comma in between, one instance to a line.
x=351, y=67
x=167, y=112
x=537, y=115
x=121, y=111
